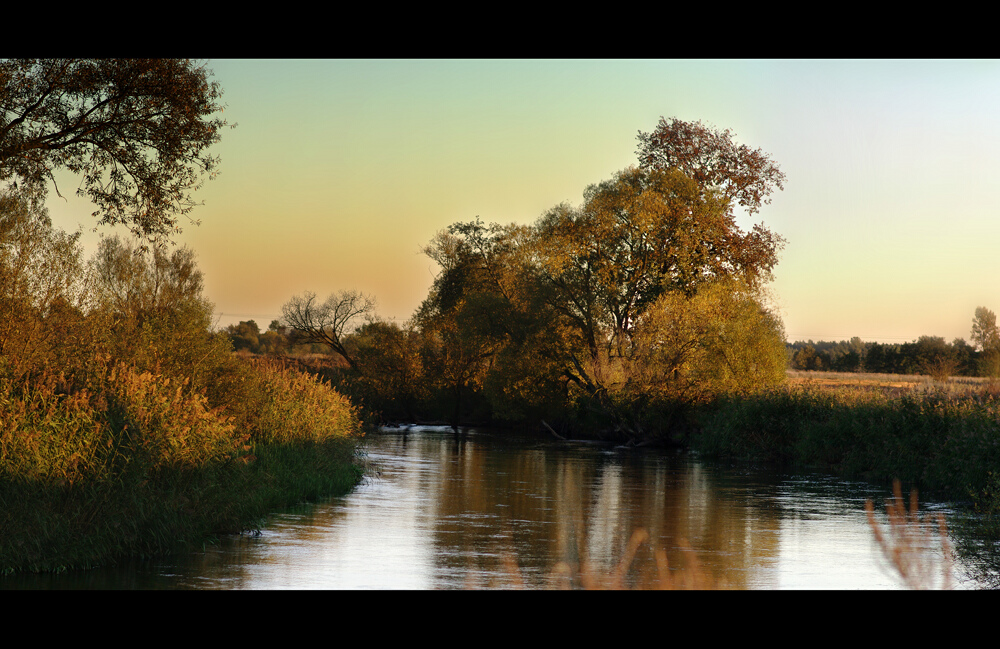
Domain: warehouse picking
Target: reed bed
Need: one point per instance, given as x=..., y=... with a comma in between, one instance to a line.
x=137, y=463
x=941, y=440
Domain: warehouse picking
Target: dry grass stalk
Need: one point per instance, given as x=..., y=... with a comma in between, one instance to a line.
x=909, y=544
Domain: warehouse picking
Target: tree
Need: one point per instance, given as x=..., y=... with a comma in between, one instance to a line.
x=40, y=273
x=245, y=336
x=486, y=326
x=721, y=339
x=805, y=358
x=637, y=237
x=130, y=281
x=329, y=322
x=933, y=356
x=555, y=318
x=986, y=336
x=391, y=381
x=137, y=130
x=154, y=313
x=712, y=160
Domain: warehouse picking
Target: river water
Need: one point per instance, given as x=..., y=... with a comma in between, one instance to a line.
x=492, y=510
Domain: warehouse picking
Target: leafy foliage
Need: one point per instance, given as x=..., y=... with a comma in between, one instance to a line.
x=136, y=130
x=712, y=160
x=40, y=292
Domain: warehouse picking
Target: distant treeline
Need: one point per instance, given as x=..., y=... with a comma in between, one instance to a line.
x=930, y=355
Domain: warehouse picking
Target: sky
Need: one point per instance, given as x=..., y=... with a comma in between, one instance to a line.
x=338, y=172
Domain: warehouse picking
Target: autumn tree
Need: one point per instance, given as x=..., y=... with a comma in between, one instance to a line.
x=136, y=282
x=638, y=236
x=561, y=304
x=390, y=382
x=474, y=307
x=720, y=339
x=153, y=309
x=137, y=131
x=806, y=358
x=245, y=336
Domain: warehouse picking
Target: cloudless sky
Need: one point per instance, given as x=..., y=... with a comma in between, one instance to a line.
x=340, y=171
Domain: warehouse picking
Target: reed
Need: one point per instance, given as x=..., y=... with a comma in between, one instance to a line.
x=944, y=442
x=910, y=543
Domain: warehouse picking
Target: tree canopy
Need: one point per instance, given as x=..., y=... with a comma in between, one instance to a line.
x=137, y=131
x=985, y=333
x=712, y=160
x=638, y=236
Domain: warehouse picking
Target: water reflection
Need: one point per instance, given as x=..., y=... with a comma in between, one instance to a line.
x=492, y=511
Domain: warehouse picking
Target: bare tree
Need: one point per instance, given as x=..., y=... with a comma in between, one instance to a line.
x=329, y=322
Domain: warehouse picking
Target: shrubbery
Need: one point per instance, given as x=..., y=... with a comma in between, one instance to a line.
x=127, y=427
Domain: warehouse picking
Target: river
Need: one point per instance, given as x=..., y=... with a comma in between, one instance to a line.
x=492, y=510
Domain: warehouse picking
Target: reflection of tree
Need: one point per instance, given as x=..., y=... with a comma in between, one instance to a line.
x=543, y=502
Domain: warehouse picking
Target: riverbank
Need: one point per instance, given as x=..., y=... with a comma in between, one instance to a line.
x=139, y=465
x=943, y=439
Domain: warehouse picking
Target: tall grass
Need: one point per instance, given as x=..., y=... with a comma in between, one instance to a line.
x=138, y=463
x=943, y=441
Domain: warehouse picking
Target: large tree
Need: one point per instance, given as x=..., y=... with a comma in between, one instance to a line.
x=636, y=237
x=594, y=307
x=137, y=131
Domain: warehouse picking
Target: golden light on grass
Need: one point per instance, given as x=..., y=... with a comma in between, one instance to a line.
x=910, y=545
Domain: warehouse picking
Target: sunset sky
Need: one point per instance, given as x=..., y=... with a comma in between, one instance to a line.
x=340, y=171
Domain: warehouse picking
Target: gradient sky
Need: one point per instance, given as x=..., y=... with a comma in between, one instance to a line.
x=339, y=171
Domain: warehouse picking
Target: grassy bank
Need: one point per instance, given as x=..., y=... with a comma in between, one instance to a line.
x=943, y=439
x=137, y=464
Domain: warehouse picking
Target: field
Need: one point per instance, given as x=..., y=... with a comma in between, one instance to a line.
x=891, y=384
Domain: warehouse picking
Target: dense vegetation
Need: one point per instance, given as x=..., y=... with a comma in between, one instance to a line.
x=127, y=426
x=606, y=319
